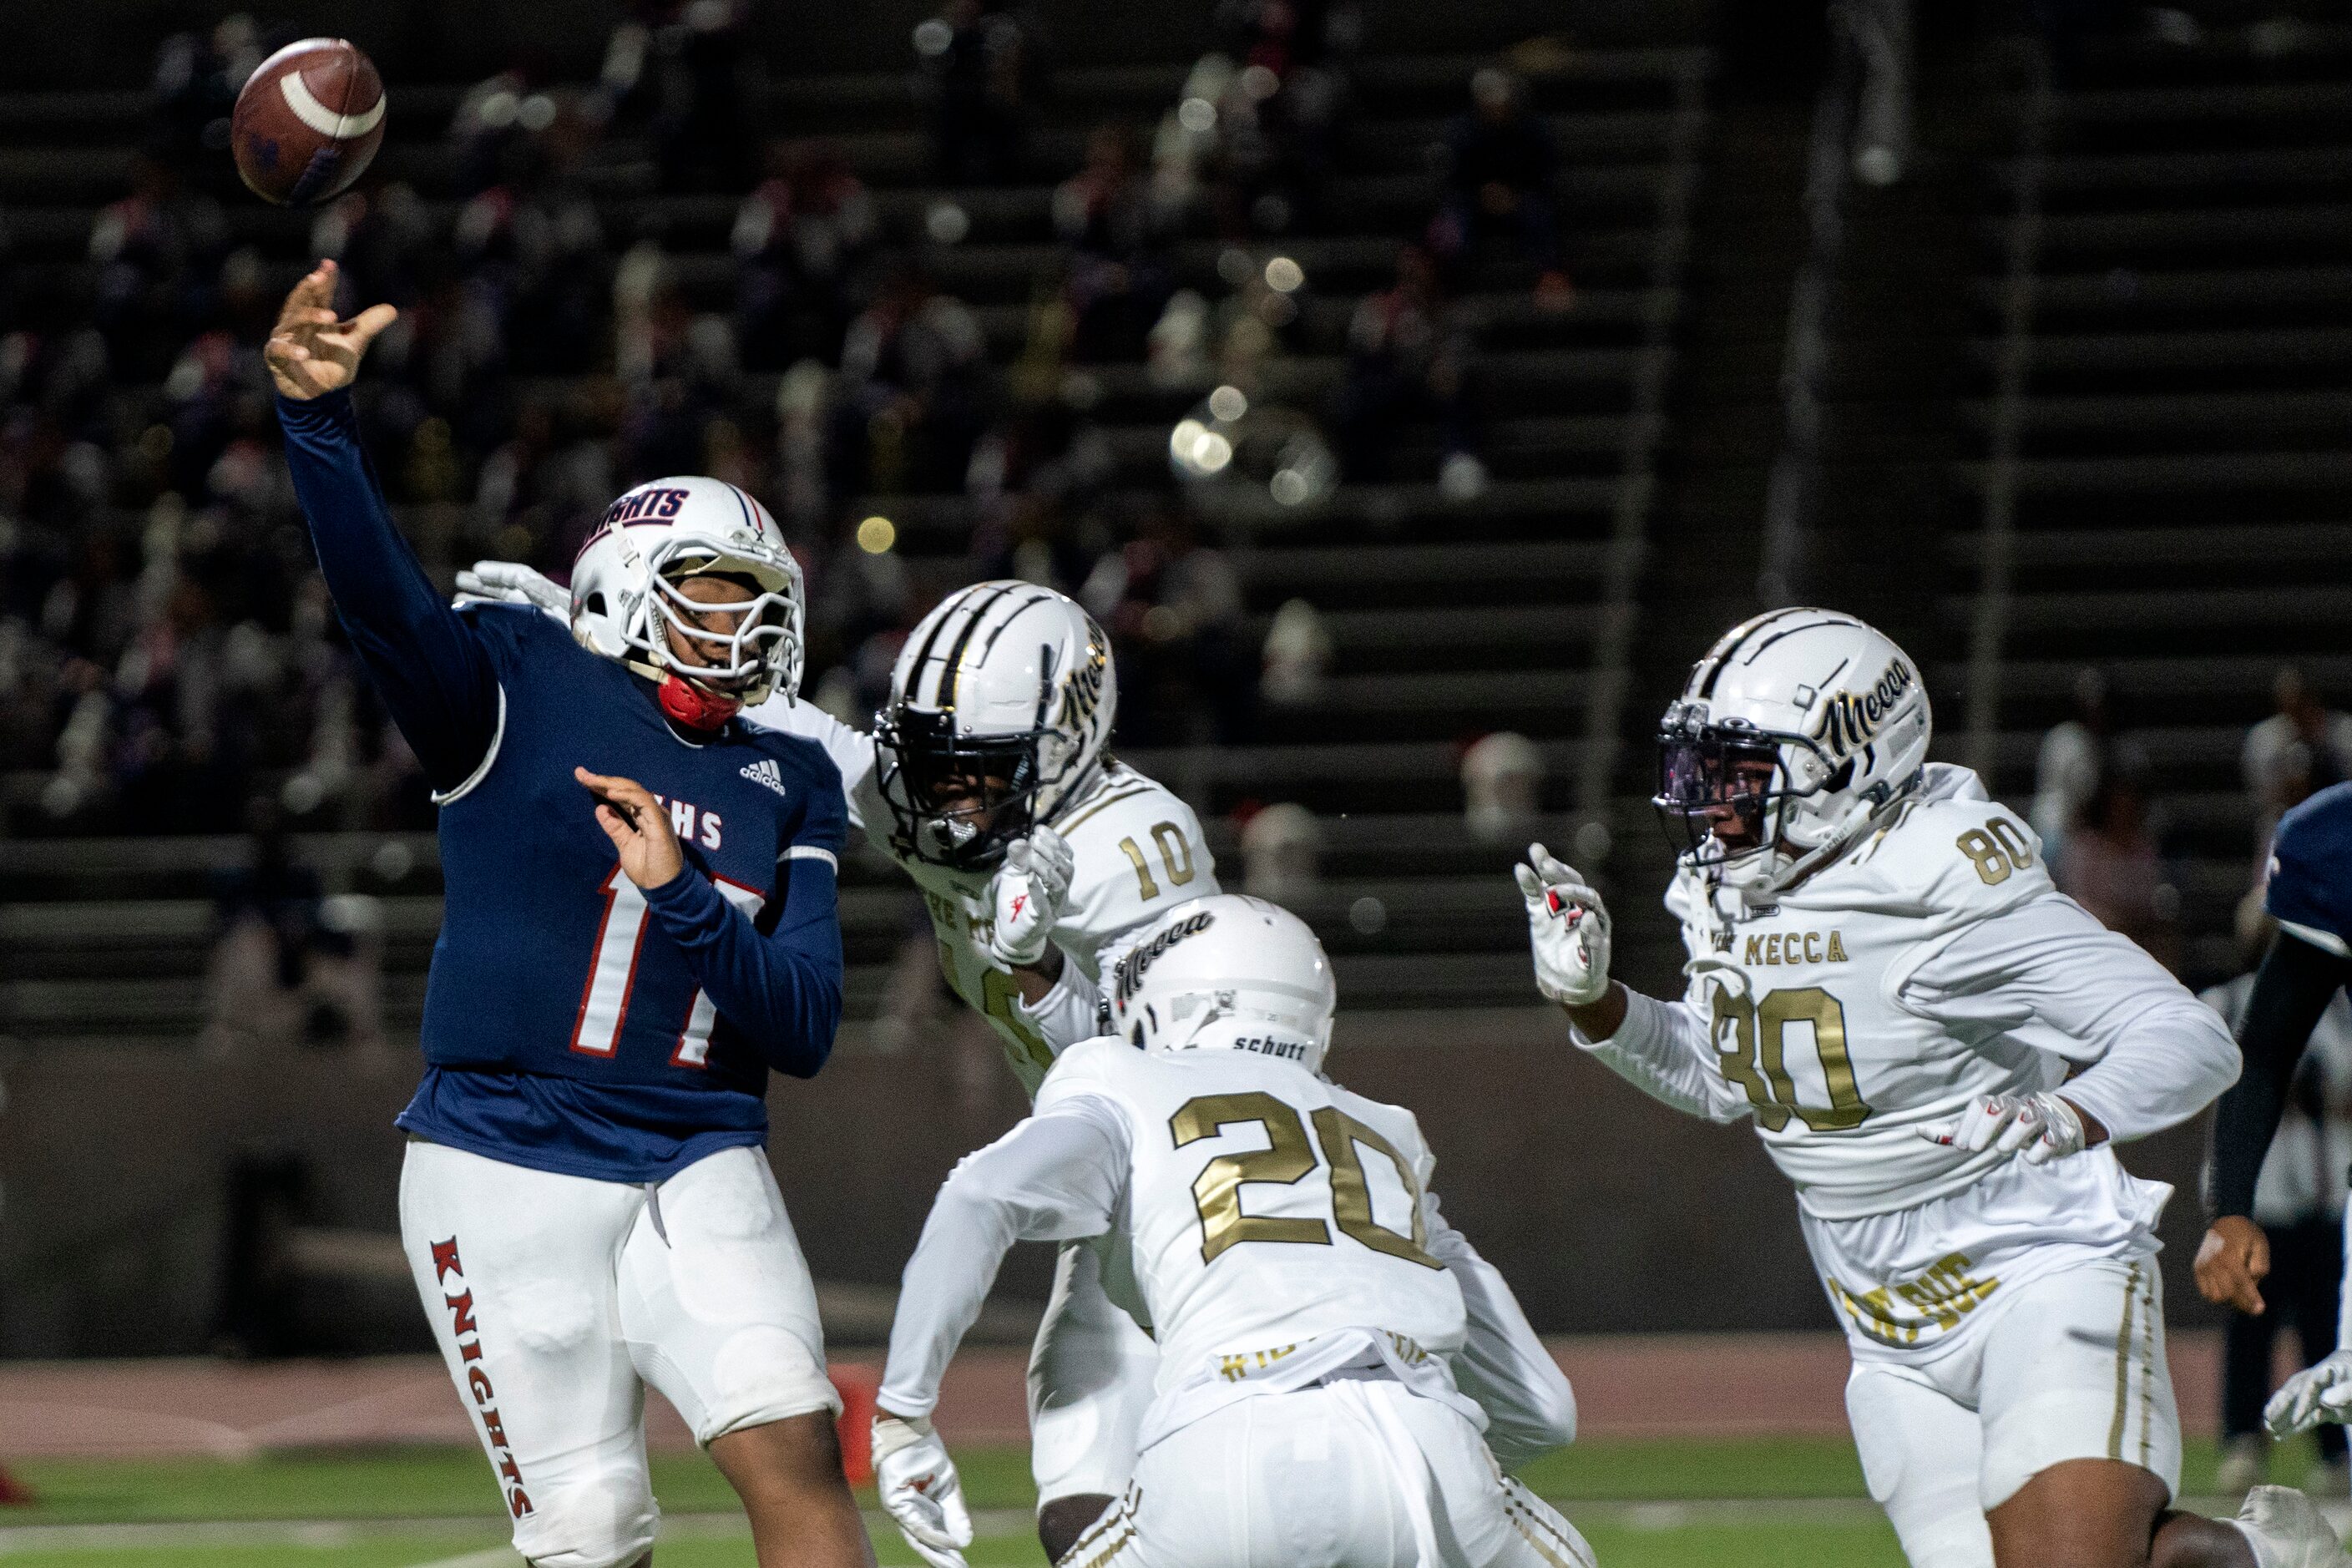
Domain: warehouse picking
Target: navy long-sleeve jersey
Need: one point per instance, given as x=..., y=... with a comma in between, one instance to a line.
x=574, y=1022
x=2310, y=895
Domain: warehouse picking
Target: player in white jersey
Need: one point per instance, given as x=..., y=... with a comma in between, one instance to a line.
x=1936, y=1047
x=989, y=783
x=1281, y=1236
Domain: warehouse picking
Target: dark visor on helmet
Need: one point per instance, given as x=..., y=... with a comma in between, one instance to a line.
x=1719, y=786
x=955, y=800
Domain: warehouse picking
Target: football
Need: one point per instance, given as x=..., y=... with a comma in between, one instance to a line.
x=308, y=122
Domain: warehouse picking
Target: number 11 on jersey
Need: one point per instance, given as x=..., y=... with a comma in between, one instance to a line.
x=613, y=975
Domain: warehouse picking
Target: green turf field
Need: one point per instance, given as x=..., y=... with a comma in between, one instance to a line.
x=1760, y=1502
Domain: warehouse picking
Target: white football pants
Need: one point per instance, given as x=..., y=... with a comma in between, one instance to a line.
x=1350, y=1473
x=2070, y=1366
x=557, y=1298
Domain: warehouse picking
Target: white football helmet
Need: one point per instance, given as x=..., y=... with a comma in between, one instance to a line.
x=1000, y=708
x=627, y=603
x=1227, y=973
x=1802, y=725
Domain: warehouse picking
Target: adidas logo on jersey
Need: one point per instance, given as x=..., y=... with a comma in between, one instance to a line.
x=765, y=774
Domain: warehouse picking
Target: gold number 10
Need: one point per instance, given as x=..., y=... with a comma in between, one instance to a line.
x=1750, y=1044
x=1174, y=858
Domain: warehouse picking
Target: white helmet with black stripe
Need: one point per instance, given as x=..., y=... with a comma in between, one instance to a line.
x=1226, y=973
x=627, y=603
x=1000, y=713
x=1795, y=732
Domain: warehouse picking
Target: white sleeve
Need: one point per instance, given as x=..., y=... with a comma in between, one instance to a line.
x=1530, y=1409
x=852, y=750
x=2049, y=974
x=1663, y=1049
x=1070, y=1012
x=1057, y=1177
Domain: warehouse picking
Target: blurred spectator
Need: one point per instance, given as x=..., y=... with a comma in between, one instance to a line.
x=1500, y=167
x=2109, y=864
x=687, y=67
x=1281, y=850
x=2303, y=747
x=198, y=75
x=1502, y=786
x=801, y=241
x=1296, y=655
x=1278, y=115
x=1120, y=277
x=982, y=69
x=290, y=964
x=2299, y=1203
x=912, y=392
x=1407, y=360
x=1173, y=608
x=2076, y=753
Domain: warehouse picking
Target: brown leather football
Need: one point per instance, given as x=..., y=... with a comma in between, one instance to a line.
x=308, y=122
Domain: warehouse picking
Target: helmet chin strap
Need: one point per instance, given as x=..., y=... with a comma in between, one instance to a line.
x=688, y=702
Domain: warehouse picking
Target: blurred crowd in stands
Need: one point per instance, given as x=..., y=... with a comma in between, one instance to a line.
x=2106, y=840
x=167, y=649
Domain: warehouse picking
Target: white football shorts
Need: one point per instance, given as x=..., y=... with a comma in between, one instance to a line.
x=557, y=1298
x=2069, y=1364
x=1091, y=1374
x=1355, y=1473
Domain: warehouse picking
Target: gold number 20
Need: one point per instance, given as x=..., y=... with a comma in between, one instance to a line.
x=1287, y=1159
x=1175, y=858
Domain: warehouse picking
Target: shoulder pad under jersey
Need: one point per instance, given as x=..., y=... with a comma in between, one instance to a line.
x=1137, y=850
x=1948, y=857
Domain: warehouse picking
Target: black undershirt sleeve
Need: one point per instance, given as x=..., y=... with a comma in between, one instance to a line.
x=2292, y=989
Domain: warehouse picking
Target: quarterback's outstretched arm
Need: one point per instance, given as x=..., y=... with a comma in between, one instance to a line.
x=1057, y=1177
x=434, y=680
x=2298, y=980
x=2047, y=972
x=1530, y=1408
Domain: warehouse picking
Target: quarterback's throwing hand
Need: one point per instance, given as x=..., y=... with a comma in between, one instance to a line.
x=512, y=583
x=1568, y=927
x=311, y=351
x=2042, y=1127
x=920, y=1492
x=1026, y=895
x=638, y=827
x=2315, y=1394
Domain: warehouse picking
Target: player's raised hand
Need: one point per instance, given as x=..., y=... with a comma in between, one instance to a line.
x=2315, y=1394
x=638, y=827
x=2039, y=1127
x=512, y=583
x=311, y=351
x=1568, y=925
x=2232, y=1262
x=921, y=1490
x=1027, y=894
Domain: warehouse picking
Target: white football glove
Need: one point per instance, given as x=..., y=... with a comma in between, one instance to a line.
x=512, y=583
x=1568, y=927
x=2042, y=1127
x=1027, y=894
x=2315, y=1394
x=921, y=1490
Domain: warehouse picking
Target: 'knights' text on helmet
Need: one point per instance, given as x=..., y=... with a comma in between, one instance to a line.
x=627, y=603
x=1000, y=708
x=1792, y=734
x=1226, y=973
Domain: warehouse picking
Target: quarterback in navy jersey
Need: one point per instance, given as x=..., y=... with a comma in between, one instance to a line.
x=2308, y=891
x=640, y=922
